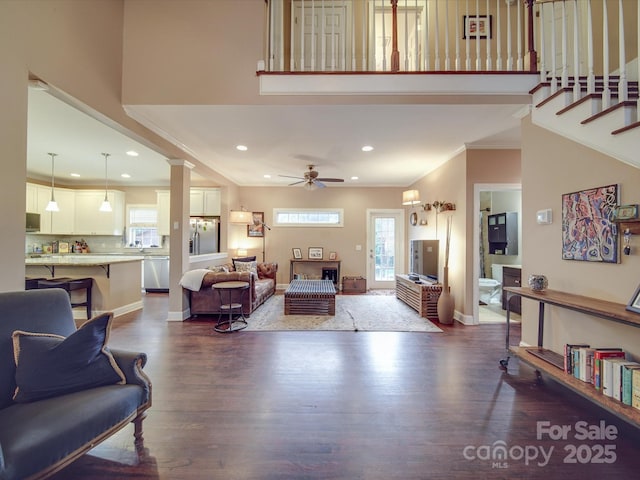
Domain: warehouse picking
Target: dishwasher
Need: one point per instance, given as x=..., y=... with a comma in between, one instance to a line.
x=156, y=274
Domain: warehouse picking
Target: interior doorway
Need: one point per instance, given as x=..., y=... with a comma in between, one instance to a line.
x=385, y=247
x=490, y=199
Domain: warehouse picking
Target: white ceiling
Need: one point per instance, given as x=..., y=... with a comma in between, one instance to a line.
x=409, y=141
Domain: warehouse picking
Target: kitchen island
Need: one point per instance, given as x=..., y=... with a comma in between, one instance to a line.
x=116, y=278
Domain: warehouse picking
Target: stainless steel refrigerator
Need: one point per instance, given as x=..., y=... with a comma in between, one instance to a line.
x=204, y=235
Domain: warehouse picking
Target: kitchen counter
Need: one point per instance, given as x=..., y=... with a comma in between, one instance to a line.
x=116, y=278
x=81, y=259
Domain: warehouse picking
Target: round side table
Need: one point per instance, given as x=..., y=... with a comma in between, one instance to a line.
x=229, y=308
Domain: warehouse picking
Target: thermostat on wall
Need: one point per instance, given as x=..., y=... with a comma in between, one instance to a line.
x=544, y=217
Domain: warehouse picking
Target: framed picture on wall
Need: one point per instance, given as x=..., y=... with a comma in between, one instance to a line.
x=476, y=27
x=634, y=303
x=315, y=253
x=297, y=253
x=257, y=228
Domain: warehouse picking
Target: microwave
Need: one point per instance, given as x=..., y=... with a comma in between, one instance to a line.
x=33, y=222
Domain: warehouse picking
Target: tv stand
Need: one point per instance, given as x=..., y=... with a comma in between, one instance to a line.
x=420, y=295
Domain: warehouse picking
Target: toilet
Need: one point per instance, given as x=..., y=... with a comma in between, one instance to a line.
x=489, y=288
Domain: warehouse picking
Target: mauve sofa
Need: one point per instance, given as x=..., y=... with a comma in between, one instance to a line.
x=40, y=437
x=206, y=301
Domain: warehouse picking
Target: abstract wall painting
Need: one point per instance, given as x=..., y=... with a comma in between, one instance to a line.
x=588, y=234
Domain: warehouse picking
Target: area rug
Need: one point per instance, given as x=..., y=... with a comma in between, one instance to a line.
x=369, y=313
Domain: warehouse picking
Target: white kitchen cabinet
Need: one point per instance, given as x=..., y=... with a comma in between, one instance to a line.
x=89, y=220
x=61, y=222
x=204, y=202
x=164, y=208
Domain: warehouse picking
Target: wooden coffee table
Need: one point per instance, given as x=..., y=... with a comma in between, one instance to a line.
x=310, y=297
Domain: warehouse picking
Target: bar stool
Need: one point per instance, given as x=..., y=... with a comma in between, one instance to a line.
x=31, y=283
x=70, y=285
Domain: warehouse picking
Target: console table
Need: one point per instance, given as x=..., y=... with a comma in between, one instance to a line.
x=552, y=363
x=312, y=267
x=422, y=296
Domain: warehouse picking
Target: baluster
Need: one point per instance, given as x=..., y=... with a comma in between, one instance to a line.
x=313, y=35
x=478, y=59
x=406, y=37
x=395, y=55
x=447, y=60
x=323, y=41
x=427, y=49
x=591, y=78
x=576, y=53
x=437, y=36
x=509, y=52
x=519, y=64
x=384, y=39
x=364, y=65
x=457, y=22
x=638, y=62
x=554, y=51
x=489, y=61
x=353, y=39
x=467, y=63
x=532, y=54
x=623, y=94
x=498, y=38
x=606, y=91
x=333, y=36
x=344, y=37
x=416, y=62
x=302, y=38
x=564, y=82
x=543, y=67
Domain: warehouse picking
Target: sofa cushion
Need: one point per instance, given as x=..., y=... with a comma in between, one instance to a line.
x=251, y=267
x=49, y=365
x=242, y=259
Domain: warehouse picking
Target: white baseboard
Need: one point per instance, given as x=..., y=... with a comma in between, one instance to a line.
x=179, y=316
x=117, y=312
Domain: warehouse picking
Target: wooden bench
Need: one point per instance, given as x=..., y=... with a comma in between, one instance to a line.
x=310, y=297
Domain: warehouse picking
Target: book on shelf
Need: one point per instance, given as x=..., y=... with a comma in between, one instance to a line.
x=598, y=356
x=607, y=375
x=618, y=369
x=568, y=355
x=586, y=364
x=635, y=396
x=627, y=382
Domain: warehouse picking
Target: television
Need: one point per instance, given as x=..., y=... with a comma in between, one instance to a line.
x=423, y=259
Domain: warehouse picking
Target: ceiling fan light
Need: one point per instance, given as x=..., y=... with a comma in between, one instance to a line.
x=310, y=186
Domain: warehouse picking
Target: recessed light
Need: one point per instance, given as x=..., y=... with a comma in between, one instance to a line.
x=367, y=148
x=242, y=148
x=354, y=178
x=132, y=153
x=266, y=175
x=74, y=174
x=125, y=175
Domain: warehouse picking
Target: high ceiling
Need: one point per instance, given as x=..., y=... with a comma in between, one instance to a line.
x=409, y=141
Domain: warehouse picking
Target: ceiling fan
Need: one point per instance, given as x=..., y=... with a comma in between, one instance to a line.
x=311, y=180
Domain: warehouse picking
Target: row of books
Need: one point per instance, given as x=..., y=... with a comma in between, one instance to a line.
x=608, y=369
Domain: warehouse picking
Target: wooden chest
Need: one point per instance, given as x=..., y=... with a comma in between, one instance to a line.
x=354, y=285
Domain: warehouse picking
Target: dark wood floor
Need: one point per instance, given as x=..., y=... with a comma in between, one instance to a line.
x=346, y=405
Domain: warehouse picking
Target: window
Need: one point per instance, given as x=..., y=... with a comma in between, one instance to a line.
x=308, y=217
x=142, y=226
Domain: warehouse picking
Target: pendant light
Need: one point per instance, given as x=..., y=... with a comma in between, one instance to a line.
x=52, y=206
x=106, y=206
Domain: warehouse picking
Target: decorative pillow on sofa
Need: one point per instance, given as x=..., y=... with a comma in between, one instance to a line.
x=242, y=259
x=219, y=269
x=48, y=365
x=251, y=267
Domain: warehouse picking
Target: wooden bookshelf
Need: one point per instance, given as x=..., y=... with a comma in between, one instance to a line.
x=551, y=363
x=586, y=390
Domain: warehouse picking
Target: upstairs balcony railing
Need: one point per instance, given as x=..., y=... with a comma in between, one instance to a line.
x=569, y=42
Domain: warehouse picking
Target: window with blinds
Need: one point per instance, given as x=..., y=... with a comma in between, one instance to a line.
x=142, y=226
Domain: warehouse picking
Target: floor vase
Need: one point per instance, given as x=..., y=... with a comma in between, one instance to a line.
x=446, y=302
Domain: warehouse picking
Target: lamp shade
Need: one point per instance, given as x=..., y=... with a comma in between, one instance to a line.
x=410, y=197
x=240, y=217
